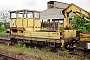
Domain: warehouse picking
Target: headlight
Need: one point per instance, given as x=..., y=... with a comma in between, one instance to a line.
x=88, y=45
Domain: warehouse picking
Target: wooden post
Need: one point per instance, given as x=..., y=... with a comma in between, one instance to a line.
x=49, y=24
x=42, y=24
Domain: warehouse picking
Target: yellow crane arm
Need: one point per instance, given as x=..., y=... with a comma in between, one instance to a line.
x=75, y=9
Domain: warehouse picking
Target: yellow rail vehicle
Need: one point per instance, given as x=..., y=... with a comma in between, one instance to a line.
x=84, y=38
x=25, y=25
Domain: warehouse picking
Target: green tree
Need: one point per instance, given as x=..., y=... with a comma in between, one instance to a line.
x=80, y=23
x=46, y=22
x=4, y=16
x=1, y=25
x=4, y=19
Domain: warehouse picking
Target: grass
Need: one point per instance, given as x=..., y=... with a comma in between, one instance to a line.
x=43, y=54
x=3, y=33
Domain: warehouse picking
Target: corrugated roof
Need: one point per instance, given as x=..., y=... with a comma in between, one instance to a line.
x=52, y=13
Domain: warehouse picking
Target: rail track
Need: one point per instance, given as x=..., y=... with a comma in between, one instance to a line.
x=4, y=39
x=4, y=55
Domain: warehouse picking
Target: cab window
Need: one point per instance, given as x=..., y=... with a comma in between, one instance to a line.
x=13, y=15
x=30, y=14
x=20, y=15
x=36, y=14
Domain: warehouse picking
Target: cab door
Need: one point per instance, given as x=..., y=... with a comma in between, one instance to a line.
x=19, y=20
x=12, y=19
x=37, y=22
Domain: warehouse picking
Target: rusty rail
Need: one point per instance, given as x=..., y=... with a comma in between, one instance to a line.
x=7, y=57
x=15, y=56
x=4, y=39
x=5, y=36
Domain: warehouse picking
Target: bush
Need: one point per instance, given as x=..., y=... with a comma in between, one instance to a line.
x=20, y=44
x=80, y=24
x=61, y=28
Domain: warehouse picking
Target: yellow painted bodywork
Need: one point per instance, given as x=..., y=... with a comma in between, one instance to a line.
x=69, y=33
x=73, y=8
x=51, y=35
x=17, y=33
x=37, y=23
x=62, y=41
x=19, y=22
x=30, y=23
x=66, y=21
x=27, y=33
x=48, y=35
x=29, y=29
x=85, y=37
x=34, y=24
x=12, y=22
x=78, y=11
x=13, y=33
x=25, y=22
x=30, y=26
x=60, y=25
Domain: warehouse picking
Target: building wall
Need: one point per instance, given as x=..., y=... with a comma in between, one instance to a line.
x=60, y=5
x=54, y=12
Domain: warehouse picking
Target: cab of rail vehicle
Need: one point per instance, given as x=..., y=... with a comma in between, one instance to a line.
x=24, y=20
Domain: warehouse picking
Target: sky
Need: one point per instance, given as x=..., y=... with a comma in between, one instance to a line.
x=38, y=5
